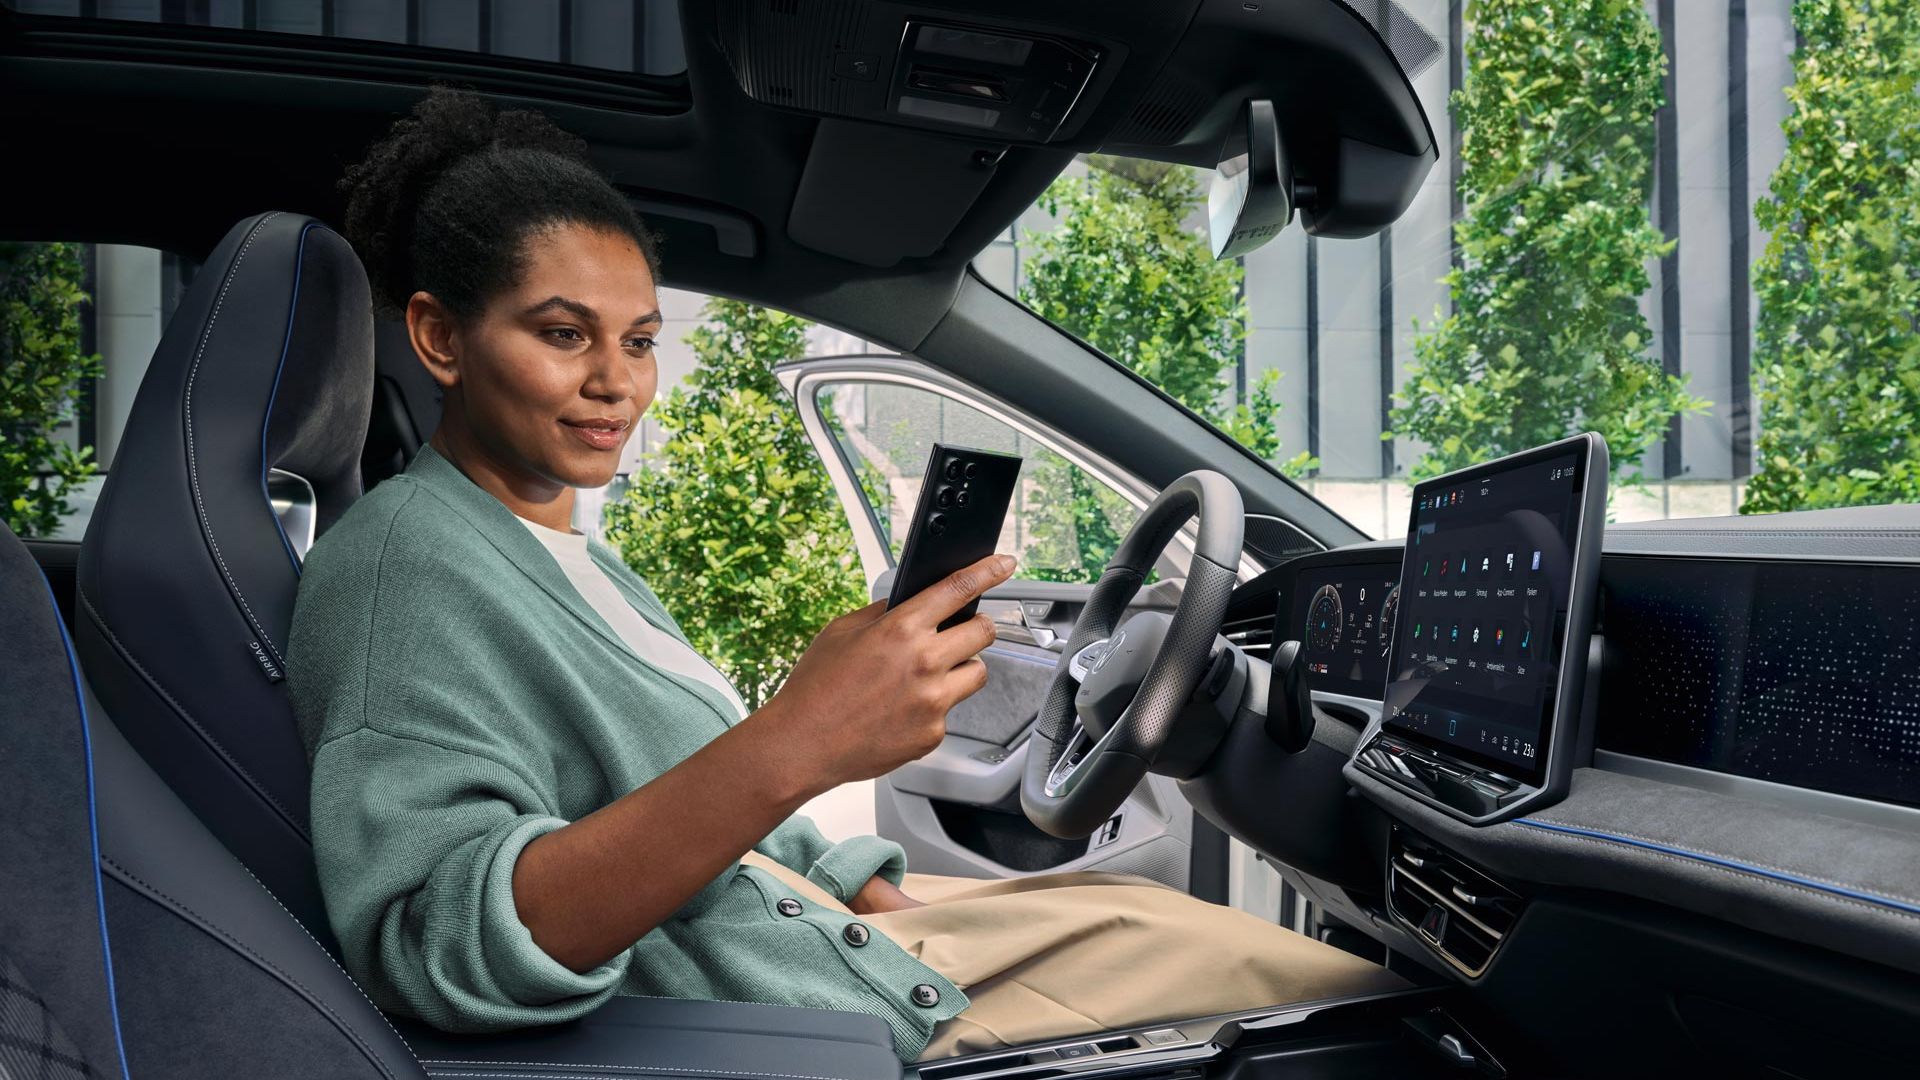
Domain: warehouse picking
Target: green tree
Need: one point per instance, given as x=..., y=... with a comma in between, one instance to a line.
x=1545, y=337
x=42, y=373
x=1124, y=273
x=733, y=521
x=1838, y=349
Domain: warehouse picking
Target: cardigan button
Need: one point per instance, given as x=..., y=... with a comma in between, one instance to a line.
x=788, y=906
x=856, y=934
x=925, y=996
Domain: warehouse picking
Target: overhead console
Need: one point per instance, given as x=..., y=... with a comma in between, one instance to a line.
x=920, y=104
x=1490, y=631
x=988, y=72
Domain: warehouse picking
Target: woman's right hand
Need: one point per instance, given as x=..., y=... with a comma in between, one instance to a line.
x=873, y=690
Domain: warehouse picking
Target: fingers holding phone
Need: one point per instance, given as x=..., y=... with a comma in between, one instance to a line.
x=873, y=690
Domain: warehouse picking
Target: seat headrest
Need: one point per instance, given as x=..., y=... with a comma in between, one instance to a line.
x=258, y=394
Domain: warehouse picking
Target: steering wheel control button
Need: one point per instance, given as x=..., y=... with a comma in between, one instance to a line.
x=925, y=996
x=1163, y=1037
x=788, y=906
x=856, y=934
x=1088, y=659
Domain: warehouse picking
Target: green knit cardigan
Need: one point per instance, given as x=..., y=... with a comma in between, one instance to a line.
x=458, y=697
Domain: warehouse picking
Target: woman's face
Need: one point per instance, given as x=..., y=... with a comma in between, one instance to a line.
x=550, y=381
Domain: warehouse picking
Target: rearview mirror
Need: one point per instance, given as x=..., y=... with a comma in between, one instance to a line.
x=1251, y=198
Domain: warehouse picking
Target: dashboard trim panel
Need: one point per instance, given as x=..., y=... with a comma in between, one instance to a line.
x=1784, y=876
x=1832, y=804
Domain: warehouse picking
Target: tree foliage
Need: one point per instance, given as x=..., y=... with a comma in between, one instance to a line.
x=1124, y=273
x=1837, y=345
x=733, y=521
x=1546, y=337
x=42, y=373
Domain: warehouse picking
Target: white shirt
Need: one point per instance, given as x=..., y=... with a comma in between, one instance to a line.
x=648, y=642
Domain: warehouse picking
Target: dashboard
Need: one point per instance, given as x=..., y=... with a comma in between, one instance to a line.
x=1799, y=673
x=1733, y=866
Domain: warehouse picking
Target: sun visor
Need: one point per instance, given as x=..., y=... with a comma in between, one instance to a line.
x=875, y=195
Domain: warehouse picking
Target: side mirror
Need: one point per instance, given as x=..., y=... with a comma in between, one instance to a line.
x=1251, y=198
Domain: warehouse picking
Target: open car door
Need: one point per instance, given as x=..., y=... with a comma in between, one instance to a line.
x=873, y=420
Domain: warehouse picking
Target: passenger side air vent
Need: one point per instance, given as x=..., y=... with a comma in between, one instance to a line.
x=1254, y=635
x=1459, y=912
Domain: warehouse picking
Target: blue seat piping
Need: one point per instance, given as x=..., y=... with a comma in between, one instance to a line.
x=93, y=828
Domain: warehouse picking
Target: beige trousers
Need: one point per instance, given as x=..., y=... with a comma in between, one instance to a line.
x=1072, y=954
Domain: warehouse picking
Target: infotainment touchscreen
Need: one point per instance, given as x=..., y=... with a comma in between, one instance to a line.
x=1480, y=633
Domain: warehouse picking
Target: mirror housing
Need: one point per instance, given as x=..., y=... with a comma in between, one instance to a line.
x=1251, y=197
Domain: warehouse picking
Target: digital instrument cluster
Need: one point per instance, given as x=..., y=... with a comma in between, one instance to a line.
x=1343, y=618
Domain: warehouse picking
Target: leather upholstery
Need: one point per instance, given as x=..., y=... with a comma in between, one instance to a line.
x=406, y=404
x=186, y=578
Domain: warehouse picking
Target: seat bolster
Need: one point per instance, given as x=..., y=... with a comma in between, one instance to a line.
x=154, y=846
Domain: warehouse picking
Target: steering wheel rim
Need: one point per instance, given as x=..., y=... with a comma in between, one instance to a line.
x=1075, y=780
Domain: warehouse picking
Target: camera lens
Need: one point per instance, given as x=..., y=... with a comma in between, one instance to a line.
x=960, y=497
x=953, y=470
x=937, y=524
x=944, y=498
x=971, y=468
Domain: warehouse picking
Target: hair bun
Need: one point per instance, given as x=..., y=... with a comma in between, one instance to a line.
x=385, y=189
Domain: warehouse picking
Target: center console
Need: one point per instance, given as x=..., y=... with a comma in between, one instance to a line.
x=1490, y=629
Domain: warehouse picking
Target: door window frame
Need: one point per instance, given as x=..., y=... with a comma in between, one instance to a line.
x=803, y=378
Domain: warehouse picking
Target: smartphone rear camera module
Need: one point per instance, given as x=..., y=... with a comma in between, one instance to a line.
x=970, y=469
x=960, y=497
x=953, y=470
x=944, y=498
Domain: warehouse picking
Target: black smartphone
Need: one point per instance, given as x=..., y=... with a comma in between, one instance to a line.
x=956, y=523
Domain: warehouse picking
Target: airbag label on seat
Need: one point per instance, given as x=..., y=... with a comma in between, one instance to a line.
x=267, y=666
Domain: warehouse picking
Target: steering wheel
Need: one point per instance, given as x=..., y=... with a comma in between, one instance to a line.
x=1111, y=710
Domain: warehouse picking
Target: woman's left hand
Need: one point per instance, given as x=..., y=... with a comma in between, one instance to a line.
x=880, y=895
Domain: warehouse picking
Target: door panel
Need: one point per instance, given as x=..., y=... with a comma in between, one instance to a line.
x=957, y=810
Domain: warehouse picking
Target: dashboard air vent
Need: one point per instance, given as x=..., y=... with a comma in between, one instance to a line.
x=1253, y=635
x=1460, y=913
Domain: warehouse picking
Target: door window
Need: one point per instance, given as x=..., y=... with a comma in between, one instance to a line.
x=1064, y=522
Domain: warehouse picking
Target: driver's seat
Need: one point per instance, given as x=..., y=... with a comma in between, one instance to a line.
x=243, y=444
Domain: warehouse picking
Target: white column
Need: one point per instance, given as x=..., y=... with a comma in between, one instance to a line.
x=128, y=323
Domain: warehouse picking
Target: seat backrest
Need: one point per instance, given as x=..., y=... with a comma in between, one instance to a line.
x=243, y=443
x=406, y=404
x=131, y=942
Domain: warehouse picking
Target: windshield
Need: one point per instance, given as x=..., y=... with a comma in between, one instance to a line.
x=1693, y=228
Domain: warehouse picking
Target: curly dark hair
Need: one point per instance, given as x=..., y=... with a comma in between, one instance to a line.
x=445, y=203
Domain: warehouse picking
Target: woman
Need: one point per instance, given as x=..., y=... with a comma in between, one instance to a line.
x=529, y=793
